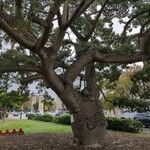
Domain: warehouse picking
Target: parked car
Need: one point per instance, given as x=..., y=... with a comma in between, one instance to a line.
x=16, y=114
x=128, y=115
x=144, y=118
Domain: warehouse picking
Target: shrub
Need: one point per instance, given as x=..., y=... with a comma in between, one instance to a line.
x=31, y=116
x=63, y=119
x=46, y=118
x=56, y=119
x=125, y=125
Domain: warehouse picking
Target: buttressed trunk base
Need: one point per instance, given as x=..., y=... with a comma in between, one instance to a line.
x=89, y=125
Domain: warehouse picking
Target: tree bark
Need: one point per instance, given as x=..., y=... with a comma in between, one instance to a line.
x=89, y=124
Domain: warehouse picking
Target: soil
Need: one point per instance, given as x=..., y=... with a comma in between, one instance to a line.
x=114, y=141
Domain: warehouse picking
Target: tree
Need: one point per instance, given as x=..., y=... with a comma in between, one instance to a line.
x=127, y=93
x=41, y=37
x=47, y=102
x=11, y=100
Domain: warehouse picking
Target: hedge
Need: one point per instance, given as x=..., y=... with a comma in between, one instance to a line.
x=45, y=118
x=117, y=124
x=63, y=119
x=125, y=125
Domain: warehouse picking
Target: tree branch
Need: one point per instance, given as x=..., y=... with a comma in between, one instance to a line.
x=143, y=26
x=51, y=14
x=31, y=79
x=129, y=21
x=75, y=69
x=120, y=58
x=59, y=17
x=96, y=20
x=86, y=5
x=18, y=6
x=77, y=34
x=95, y=55
x=65, y=14
x=35, y=19
x=18, y=68
x=16, y=36
x=75, y=14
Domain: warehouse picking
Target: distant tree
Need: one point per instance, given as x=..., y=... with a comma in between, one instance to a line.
x=127, y=94
x=48, y=102
x=11, y=100
x=36, y=106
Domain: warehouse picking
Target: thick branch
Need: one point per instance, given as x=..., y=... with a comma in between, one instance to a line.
x=95, y=55
x=18, y=6
x=37, y=20
x=143, y=26
x=86, y=5
x=16, y=36
x=18, y=68
x=75, y=14
x=51, y=14
x=65, y=12
x=59, y=17
x=75, y=69
x=31, y=79
x=120, y=58
x=77, y=34
x=91, y=85
x=49, y=74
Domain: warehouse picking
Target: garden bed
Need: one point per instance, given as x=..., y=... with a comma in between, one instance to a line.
x=49, y=141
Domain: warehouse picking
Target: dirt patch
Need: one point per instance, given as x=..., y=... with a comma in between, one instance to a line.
x=114, y=141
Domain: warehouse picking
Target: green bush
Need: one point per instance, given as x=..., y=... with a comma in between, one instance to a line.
x=125, y=125
x=45, y=118
x=63, y=119
x=31, y=116
x=117, y=124
x=56, y=119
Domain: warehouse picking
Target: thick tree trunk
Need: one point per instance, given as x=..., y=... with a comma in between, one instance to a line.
x=89, y=125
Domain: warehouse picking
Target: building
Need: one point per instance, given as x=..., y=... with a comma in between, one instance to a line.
x=36, y=103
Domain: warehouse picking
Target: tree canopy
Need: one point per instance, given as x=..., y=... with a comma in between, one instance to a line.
x=12, y=100
x=130, y=91
x=78, y=37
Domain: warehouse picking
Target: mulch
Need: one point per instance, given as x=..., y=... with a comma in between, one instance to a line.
x=114, y=141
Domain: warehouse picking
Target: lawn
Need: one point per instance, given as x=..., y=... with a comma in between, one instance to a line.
x=30, y=126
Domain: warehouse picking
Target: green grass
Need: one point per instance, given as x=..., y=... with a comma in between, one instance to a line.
x=30, y=126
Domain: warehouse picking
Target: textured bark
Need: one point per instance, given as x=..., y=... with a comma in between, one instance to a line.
x=89, y=125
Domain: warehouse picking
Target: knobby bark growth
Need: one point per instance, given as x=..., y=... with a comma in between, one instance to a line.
x=88, y=123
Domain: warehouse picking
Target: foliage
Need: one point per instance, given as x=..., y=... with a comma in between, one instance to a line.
x=31, y=116
x=127, y=93
x=141, y=83
x=125, y=125
x=12, y=100
x=36, y=106
x=62, y=119
x=118, y=124
x=47, y=102
x=45, y=118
